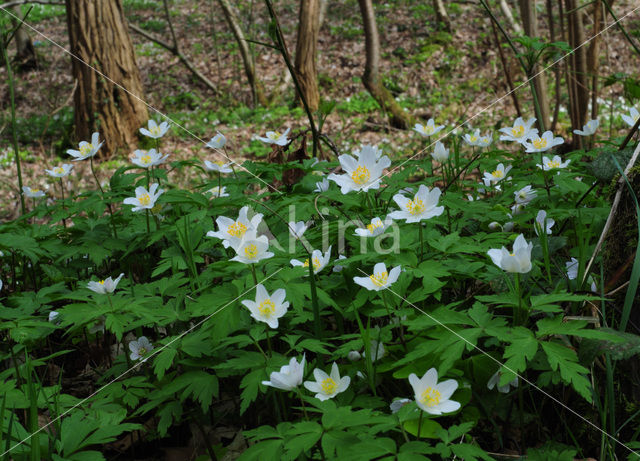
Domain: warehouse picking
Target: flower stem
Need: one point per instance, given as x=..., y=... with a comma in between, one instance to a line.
x=420, y=424
x=93, y=171
x=304, y=408
x=421, y=242
x=516, y=314
x=253, y=273
x=266, y=330
x=64, y=221
x=147, y=216
x=314, y=301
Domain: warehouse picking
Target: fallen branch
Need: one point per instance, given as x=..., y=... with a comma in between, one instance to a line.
x=24, y=2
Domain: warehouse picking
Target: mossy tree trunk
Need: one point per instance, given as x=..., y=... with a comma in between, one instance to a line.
x=371, y=76
x=306, y=63
x=98, y=35
x=25, y=53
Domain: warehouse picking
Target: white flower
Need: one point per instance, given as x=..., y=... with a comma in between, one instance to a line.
x=218, y=166
x=217, y=142
x=231, y=232
x=53, y=316
x=380, y=279
x=525, y=195
x=632, y=118
x=217, y=192
x=572, y=269
x=377, y=227
x=554, y=164
x=520, y=132
x=495, y=379
x=542, y=143
x=139, y=348
x=147, y=158
x=354, y=356
x=86, y=149
x=361, y=174
x=338, y=267
x=508, y=227
x=476, y=140
x=377, y=350
x=368, y=150
x=396, y=405
x=60, y=171
x=144, y=200
x=589, y=129
x=429, y=129
x=322, y=186
x=275, y=137
x=431, y=396
x=297, y=229
x=496, y=175
x=422, y=206
x=289, y=377
x=494, y=225
x=440, y=153
x=519, y=260
x=541, y=219
x=105, y=286
x=154, y=130
x=252, y=250
x=265, y=308
x=327, y=386
x=319, y=260
x=32, y=193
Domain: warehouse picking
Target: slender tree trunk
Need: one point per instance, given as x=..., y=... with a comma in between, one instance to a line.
x=504, y=6
x=371, y=76
x=578, y=81
x=99, y=36
x=441, y=14
x=25, y=53
x=530, y=24
x=593, y=56
x=306, y=51
x=257, y=91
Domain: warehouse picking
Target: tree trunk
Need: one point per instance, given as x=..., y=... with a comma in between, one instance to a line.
x=257, y=91
x=25, y=53
x=99, y=36
x=530, y=25
x=306, y=51
x=577, y=82
x=371, y=76
x=504, y=6
x=441, y=14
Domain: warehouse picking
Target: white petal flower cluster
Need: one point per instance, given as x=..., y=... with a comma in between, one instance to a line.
x=520, y=132
x=362, y=172
x=476, y=139
x=518, y=260
x=154, y=130
x=60, y=171
x=140, y=348
x=86, y=149
x=327, y=386
x=423, y=205
x=267, y=308
x=376, y=227
x=497, y=175
x=429, y=129
x=275, y=137
x=553, y=164
x=105, y=286
x=380, y=279
x=32, y=193
x=542, y=143
x=318, y=260
x=588, y=129
x=289, y=377
x=432, y=396
x=147, y=158
x=144, y=199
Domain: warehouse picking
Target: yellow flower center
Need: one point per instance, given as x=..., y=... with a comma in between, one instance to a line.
x=58, y=170
x=361, y=175
x=497, y=173
x=35, y=191
x=374, y=225
x=430, y=397
x=553, y=164
x=267, y=308
x=146, y=159
x=522, y=195
x=484, y=140
x=155, y=130
x=86, y=149
x=251, y=251
x=539, y=143
x=144, y=199
x=101, y=282
x=517, y=131
x=237, y=229
x=328, y=386
x=142, y=351
x=316, y=263
x=415, y=206
x=219, y=163
x=429, y=129
x=274, y=135
x=473, y=138
x=379, y=279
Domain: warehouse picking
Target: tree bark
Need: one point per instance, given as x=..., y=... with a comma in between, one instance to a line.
x=98, y=35
x=530, y=25
x=25, y=53
x=371, y=76
x=504, y=6
x=578, y=81
x=306, y=63
x=441, y=14
x=257, y=91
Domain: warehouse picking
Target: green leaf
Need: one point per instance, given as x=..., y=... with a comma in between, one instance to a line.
x=565, y=360
x=428, y=430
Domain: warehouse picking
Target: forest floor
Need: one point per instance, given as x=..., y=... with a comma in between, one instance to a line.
x=432, y=73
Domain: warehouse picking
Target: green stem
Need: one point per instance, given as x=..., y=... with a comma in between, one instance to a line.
x=304, y=408
x=64, y=209
x=95, y=176
x=13, y=117
x=253, y=273
x=266, y=330
x=421, y=242
x=516, y=314
x=147, y=216
x=420, y=424
x=314, y=302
